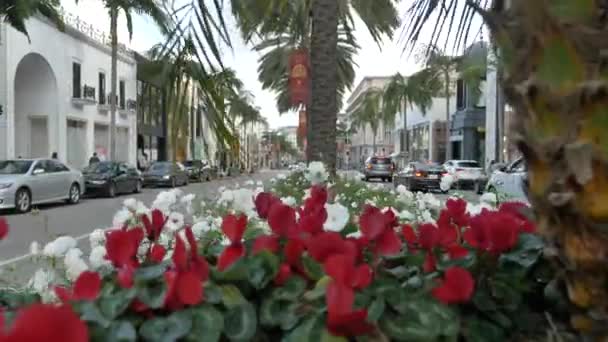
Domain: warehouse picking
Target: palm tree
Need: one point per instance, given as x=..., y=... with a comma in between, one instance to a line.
x=128, y=8
x=415, y=90
x=554, y=77
x=369, y=113
x=16, y=12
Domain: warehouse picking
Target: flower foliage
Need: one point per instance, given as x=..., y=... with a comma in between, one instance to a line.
x=322, y=268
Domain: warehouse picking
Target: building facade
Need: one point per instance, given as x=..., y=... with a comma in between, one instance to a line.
x=54, y=92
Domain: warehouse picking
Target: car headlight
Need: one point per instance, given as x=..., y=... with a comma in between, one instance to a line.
x=5, y=185
x=166, y=176
x=98, y=182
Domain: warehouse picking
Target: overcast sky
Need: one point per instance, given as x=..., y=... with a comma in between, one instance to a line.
x=371, y=60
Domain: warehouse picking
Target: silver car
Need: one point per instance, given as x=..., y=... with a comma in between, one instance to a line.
x=511, y=181
x=25, y=182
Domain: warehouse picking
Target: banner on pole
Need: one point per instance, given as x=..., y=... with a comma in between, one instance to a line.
x=299, y=77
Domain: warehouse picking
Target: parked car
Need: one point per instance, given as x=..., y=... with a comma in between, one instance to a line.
x=210, y=172
x=379, y=167
x=482, y=182
x=166, y=174
x=420, y=176
x=194, y=168
x=111, y=178
x=511, y=181
x=26, y=182
x=465, y=172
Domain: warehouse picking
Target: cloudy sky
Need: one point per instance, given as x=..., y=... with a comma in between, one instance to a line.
x=372, y=61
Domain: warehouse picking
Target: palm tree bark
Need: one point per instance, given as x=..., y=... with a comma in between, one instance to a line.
x=448, y=150
x=113, y=79
x=406, y=145
x=324, y=75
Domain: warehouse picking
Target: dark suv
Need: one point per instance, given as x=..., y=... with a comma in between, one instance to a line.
x=379, y=167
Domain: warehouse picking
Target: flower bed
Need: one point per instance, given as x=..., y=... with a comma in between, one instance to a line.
x=304, y=260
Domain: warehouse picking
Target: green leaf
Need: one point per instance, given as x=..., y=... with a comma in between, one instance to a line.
x=318, y=291
x=326, y=336
x=153, y=294
x=213, y=293
x=309, y=330
x=171, y=328
x=292, y=289
x=262, y=268
x=150, y=272
x=115, y=304
x=275, y=312
x=527, y=251
x=240, y=322
x=483, y=301
x=376, y=309
x=89, y=312
x=122, y=331
x=312, y=268
x=207, y=324
x=232, y=296
x=467, y=262
x=236, y=272
x=479, y=330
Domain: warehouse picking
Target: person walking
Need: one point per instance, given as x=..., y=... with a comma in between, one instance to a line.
x=94, y=159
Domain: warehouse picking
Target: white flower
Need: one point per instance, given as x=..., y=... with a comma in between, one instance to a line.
x=74, y=265
x=370, y=202
x=41, y=280
x=282, y=176
x=97, y=258
x=243, y=202
x=165, y=239
x=355, y=235
x=121, y=218
x=446, y=182
x=307, y=194
x=347, y=185
x=475, y=209
x=221, y=189
x=337, y=217
x=97, y=237
x=250, y=182
x=143, y=248
x=489, y=198
x=187, y=199
x=175, y=221
x=200, y=228
x=130, y=203
x=316, y=173
x=165, y=200
x=431, y=200
x=34, y=248
x=290, y=201
x=426, y=217
x=59, y=246
x=353, y=205
x=260, y=183
x=226, y=197
x=141, y=209
x=406, y=215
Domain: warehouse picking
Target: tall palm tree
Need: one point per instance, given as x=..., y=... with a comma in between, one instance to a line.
x=403, y=92
x=370, y=113
x=128, y=8
x=554, y=77
x=16, y=12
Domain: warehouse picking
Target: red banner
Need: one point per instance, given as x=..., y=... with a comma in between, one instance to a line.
x=299, y=77
x=301, y=128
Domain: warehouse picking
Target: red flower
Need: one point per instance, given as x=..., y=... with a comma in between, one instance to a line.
x=283, y=274
x=125, y=277
x=492, y=231
x=45, y=322
x=281, y=218
x=409, y=235
x=229, y=256
x=86, y=287
x=234, y=227
x=318, y=198
x=263, y=203
x=189, y=288
x=353, y=323
x=3, y=228
x=379, y=227
x=122, y=245
x=311, y=222
x=341, y=268
x=515, y=209
x=266, y=243
x=157, y=253
x=428, y=236
x=154, y=227
x=430, y=263
x=323, y=245
x=457, y=286
x=293, y=252
x=455, y=213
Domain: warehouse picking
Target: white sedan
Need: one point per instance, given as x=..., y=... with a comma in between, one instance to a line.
x=464, y=172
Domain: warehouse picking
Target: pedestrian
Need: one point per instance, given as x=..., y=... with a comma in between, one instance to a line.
x=19, y=157
x=94, y=159
x=54, y=155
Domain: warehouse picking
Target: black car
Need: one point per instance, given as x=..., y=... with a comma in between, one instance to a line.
x=112, y=178
x=194, y=168
x=420, y=176
x=166, y=174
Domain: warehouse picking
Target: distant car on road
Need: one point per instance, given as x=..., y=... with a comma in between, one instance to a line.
x=465, y=172
x=511, y=181
x=112, y=178
x=194, y=168
x=420, y=176
x=166, y=174
x=25, y=182
x=379, y=167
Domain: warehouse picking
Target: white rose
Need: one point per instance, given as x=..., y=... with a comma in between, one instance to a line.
x=74, y=265
x=165, y=200
x=337, y=217
x=97, y=258
x=59, y=246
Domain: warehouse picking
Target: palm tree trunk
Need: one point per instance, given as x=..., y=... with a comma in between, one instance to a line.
x=324, y=74
x=374, y=143
x=406, y=147
x=448, y=152
x=113, y=80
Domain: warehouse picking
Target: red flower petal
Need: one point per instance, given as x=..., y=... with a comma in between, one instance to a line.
x=63, y=294
x=157, y=253
x=408, y=234
x=47, y=322
x=200, y=266
x=341, y=267
x=122, y=245
x=3, y=228
x=363, y=276
x=154, y=227
x=283, y=274
x=372, y=222
x=457, y=252
x=428, y=236
x=234, y=227
x=325, y=244
x=263, y=203
x=339, y=298
x=353, y=323
x=189, y=288
x=313, y=222
x=191, y=241
x=125, y=277
x=430, y=263
x=229, y=256
x=180, y=256
x=280, y=218
x=87, y=286
x=266, y=243
x=293, y=252
x=457, y=287
x=388, y=243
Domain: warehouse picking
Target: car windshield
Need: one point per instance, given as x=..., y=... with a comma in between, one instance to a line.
x=189, y=163
x=14, y=167
x=381, y=161
x=468, y=164
x=160, y=167
x=103, y=167
x=429, y=167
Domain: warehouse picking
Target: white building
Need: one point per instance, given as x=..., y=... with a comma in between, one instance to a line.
x=54, y=93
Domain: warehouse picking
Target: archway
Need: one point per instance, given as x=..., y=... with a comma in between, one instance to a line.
x=36, y=103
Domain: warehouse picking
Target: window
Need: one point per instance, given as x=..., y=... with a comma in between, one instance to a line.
x=460, y=94
x=102, y=88
x=121, y=93
x=76, y=87
x=56, y=166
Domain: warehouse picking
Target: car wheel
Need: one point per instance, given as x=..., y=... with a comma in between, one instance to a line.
x=74, y=194
x=138, y=187
x=23, y=200
x=173, y=183
x=112, y=190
